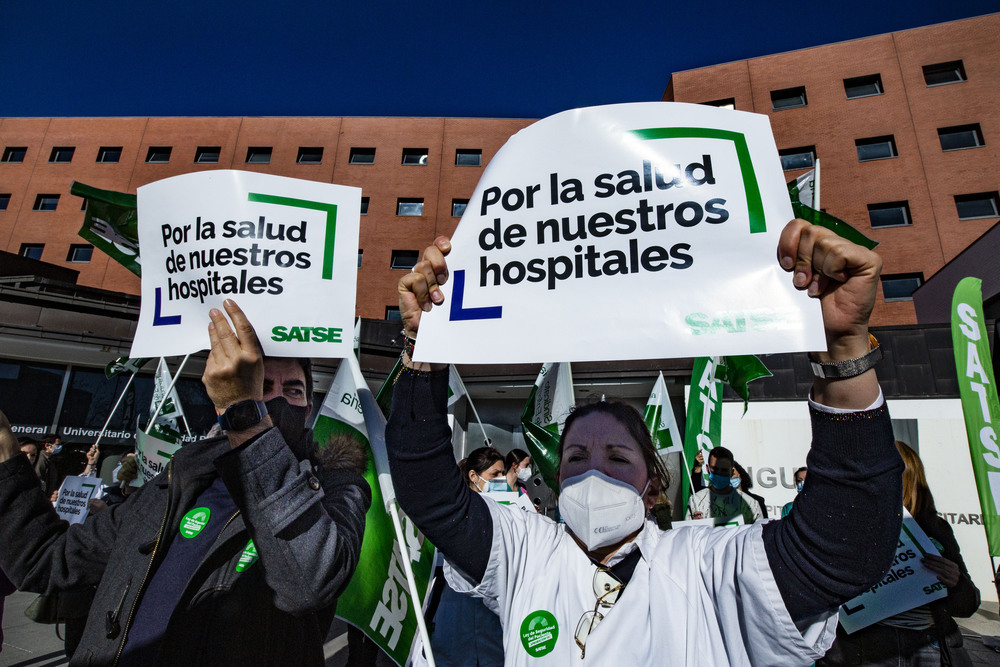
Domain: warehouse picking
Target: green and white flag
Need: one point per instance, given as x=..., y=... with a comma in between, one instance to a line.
x=978, y=390
x=125, y=365
x=456, y=388
x=376, y=599
x=357, y=338
x=802, y=192
x=111, y=224
x=544, y=416
x=704, y=413
x=167, y=425
x=659, y=417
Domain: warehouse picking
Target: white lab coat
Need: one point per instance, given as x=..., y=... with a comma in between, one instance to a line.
x=698, y=596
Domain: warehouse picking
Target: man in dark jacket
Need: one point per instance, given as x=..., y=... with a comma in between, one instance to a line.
x=235, y=554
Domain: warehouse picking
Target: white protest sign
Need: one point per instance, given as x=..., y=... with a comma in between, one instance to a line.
x=628, y=231
x=74, y=494
x=906, y=585
x=152, y=455
x=284, y=249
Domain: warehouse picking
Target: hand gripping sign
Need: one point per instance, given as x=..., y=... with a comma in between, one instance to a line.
x=626, y=231
x=284, y=249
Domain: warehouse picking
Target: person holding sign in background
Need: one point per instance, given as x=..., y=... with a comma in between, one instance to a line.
x=746, y=595
x=235, y=554
x=927, y=635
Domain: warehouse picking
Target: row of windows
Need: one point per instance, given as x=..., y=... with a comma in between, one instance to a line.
x=464, y=157
x=405, y=206
x=78, y=253
x=975, y=206
x=957, y=137
x=938, y=74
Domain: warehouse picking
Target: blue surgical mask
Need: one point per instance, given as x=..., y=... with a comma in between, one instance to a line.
x=798, y=487
x=735, y=481
x=719, y=482
x=56, y=449
x=496, y=485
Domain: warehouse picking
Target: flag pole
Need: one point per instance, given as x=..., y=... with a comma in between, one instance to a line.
x=166, y=395
x=114, y=409
x=816, y=187
x=411, y=583
x=486, y=439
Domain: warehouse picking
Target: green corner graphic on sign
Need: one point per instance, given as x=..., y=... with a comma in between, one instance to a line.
x=539, y=632
x=331, y=222
x=755, y=204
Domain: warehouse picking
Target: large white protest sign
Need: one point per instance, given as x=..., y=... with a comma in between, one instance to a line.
x=74, y=494
x=284, y=249
x=627, y=231
x=906, y=585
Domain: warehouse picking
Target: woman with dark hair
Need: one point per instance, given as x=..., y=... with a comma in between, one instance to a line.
x=927, y=635
x=483, y=470
x=518, y=465
x=608, y=584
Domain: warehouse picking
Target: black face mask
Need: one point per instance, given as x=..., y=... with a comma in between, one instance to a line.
x=291, y=422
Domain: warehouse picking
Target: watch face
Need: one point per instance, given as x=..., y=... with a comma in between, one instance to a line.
x=243, y=415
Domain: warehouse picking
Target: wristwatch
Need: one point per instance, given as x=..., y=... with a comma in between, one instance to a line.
x=243, y=415
x=850, y=367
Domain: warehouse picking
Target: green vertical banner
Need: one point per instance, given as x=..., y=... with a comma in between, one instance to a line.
x=376, y=599
x=549, y=404
x=977, y=388
x=110, y=223
x=704, y=414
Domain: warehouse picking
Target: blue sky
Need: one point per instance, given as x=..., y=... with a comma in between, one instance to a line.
x=383, y=58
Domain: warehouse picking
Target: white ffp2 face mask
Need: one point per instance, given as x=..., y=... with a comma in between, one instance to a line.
x=600, y=510
x=523, y=475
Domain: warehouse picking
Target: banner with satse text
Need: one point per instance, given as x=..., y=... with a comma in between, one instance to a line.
x=284, y=249
x=631, y=231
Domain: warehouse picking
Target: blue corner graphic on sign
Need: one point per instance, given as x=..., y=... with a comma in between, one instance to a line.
x=460, y=313
x=160, y=320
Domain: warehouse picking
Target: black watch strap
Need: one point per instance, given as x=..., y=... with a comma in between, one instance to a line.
x=243, y=415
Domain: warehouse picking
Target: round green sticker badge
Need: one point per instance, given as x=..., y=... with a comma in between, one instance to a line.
x=194, y=521
x=539, y=632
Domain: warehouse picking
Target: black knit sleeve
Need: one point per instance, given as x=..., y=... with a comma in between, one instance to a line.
x=842, y=532
x=428, y=484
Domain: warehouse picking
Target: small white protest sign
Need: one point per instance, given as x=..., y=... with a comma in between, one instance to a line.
x=629, y=231
x=74, y=494
x=152, y=455
x=284, y=249
x=906, y=585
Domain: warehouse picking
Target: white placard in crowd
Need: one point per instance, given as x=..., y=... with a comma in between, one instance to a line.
x=284, y=249
x=74, y=494
x=628, y=231
x=906, y=585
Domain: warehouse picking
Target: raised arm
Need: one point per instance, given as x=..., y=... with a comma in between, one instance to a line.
x=418, y=440
x=841, y=536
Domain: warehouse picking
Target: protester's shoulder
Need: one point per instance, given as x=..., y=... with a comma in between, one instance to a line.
x=700, y=540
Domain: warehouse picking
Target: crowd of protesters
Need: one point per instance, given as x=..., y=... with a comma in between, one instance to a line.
x=238, y=552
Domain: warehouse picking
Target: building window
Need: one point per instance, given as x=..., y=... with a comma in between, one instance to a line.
x=900, y=286
x=404, y=259
x=863, y=86
x=458, y=207
x=788, y=98
x=14, y=153
x=410, y=206
x=259, y=155
x=62, y=154
x=46, y=202
x=961, y=136
x=361, y=254
x=364, y=205
x=362, y=156
x=943, y=73
x=415, y=156
x=468, y=157
x=876, y=148
x=207, y=154
x=109, y=153
x=725, y=103
x=158, y=154
x=31, y=250
x=890, y=214
x=4, y=201
x=978, y=205
x=392, y=314
x=80, y=253
x=310, y=155
x=803, y=157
